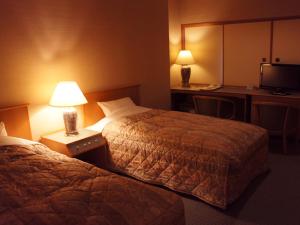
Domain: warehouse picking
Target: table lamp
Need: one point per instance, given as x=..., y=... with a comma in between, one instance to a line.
x=185, y=59
x=67, y=94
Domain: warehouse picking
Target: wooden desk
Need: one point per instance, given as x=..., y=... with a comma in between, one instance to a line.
x=245, y=95
x=179, y=94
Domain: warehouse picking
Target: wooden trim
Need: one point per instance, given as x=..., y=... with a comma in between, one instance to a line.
x=191, y=25
x=271, y=41
x=223, y=55
x=225, y=22
x=16, y=120
x=182, y=37
x=93, y=113
x=2, y=109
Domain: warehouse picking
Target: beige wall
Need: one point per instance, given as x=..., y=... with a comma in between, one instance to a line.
x=196, y=11
x=100, y=44
x=174, y=40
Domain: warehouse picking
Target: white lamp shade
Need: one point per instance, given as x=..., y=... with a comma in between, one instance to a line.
x=185, y=57
x=67, y=94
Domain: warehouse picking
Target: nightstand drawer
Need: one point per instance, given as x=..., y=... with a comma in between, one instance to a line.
x=85, y=145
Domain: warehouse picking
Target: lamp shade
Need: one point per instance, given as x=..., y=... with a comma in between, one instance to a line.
x=185, y=57
x=67, y=94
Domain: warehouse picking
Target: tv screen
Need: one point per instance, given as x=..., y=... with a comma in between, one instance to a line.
x=281, y=77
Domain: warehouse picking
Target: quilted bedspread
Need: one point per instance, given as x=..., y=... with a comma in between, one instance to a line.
x=212, y=159
x=39, y=186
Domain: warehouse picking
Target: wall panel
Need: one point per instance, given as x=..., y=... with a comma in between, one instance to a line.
x=245, y=46
x=206, y=44
x=286, y=41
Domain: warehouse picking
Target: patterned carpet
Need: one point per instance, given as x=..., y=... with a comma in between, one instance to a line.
x=272, y=199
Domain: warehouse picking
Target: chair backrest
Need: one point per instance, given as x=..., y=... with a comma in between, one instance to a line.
x=274, y=116
x=215, y=106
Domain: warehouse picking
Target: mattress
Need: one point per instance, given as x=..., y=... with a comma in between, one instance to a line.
x=40, y=186
x=210, y=158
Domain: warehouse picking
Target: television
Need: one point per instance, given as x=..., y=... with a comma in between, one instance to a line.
x=280, y=78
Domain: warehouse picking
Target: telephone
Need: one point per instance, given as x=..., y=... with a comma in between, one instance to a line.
x=211, y=87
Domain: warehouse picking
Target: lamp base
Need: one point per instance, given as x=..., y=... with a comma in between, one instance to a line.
x=70, y=120
x=185, y=75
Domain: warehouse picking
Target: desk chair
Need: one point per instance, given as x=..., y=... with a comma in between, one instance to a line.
x=215, y=106
x=283, y=126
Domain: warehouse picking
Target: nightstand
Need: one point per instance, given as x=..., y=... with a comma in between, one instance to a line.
x=88, y=146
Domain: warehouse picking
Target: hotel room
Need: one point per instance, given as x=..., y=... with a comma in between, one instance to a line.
x=150, y=112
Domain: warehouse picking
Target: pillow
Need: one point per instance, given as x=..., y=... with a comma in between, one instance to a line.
x=8, y=140
x=100, y=125
x=111, y=107
x=2, y=129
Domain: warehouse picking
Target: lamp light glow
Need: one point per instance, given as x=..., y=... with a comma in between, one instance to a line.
x=68, y=94
x=185, y=57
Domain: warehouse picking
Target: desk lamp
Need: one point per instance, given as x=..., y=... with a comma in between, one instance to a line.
x=67, y=94
x=185, y=59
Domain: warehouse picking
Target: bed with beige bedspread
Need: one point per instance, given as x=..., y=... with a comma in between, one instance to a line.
x=212, y=159
x=41, y=187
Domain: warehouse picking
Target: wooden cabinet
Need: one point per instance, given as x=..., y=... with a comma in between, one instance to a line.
x=206, y=43
x=246, y=45
x=286, y=36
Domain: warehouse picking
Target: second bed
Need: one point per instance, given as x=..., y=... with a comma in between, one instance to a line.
x=212, y=159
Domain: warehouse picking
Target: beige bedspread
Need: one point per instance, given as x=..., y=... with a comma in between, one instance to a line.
x=41, y=187
x=210, y=158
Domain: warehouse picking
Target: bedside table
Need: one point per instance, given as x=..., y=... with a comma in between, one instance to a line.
x=88, y=146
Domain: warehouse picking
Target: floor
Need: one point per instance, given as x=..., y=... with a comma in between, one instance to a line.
x=271, y=199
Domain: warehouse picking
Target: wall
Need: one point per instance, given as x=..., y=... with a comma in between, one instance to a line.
x=195, y=11
x=100, y=44
x=174, y=40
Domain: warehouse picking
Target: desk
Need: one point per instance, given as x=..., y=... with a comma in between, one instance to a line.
x=179, y=94
x=182, y=98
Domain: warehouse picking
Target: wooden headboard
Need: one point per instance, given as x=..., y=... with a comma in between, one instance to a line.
x=16, y=120
x=93, y=113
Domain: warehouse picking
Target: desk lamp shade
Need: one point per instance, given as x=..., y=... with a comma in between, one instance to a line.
x=68, y=94
x=185, y=58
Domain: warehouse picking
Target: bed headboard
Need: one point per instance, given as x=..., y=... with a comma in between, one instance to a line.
x=93, y=113
x=16, y=120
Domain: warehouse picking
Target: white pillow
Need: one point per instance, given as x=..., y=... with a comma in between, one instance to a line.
x=8, y=140
x=2, y=129
x=100, y=125
x=111, y=107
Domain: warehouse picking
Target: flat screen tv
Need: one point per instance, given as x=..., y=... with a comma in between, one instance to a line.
x=280, y=78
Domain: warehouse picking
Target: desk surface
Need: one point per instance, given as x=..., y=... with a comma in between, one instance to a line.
x=232, y=90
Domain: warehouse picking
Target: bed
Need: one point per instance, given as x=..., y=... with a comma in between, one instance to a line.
x=210, y=158
x=40, y=186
